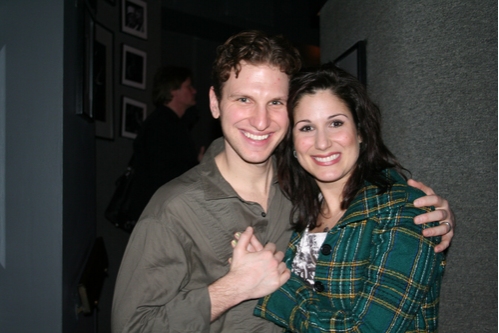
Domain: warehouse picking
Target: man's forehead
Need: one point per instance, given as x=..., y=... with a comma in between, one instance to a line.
x=253, y=76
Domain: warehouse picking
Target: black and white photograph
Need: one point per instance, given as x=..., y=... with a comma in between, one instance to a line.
x=102, y=82
x=134, y=18
x=353, y=61
x=133, y=114
x=134, y=67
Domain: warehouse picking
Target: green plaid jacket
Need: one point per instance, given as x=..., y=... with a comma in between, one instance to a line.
x=375, y=271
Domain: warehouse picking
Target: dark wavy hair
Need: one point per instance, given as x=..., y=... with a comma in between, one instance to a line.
x=256, y=48
x=166, y=79
x=297, y=184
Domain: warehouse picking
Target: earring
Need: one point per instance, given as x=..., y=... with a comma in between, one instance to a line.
x=294, y=154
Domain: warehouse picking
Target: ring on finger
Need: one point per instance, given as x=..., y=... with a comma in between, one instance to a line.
x=449, y=226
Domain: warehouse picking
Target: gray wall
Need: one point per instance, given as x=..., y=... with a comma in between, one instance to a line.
x=49, y=223
x=432, y=69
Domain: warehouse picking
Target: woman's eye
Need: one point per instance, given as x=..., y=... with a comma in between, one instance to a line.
x=336, y=123
x=306, y=128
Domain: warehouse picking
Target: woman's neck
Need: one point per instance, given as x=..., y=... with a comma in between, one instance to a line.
x=331, y=211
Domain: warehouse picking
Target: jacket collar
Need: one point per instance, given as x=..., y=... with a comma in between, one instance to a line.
x=214, y=184
x=367, y=204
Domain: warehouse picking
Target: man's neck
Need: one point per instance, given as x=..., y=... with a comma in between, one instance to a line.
x=250, y=181
x=176, y=107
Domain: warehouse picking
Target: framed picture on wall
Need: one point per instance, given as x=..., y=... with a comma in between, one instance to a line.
x=134, y=17
x=134, y=67
x=86, y=104
x=132, y=116
x=102, y=82
x=353, y=61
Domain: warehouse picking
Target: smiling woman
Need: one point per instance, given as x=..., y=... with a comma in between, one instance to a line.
x=325, y=138
x=357, y=259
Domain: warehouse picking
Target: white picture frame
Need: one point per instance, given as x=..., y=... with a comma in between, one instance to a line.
x=134, y=17
x=134, y=67
x=133, y=114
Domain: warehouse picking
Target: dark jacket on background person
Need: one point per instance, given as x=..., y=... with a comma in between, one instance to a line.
x=163, y=150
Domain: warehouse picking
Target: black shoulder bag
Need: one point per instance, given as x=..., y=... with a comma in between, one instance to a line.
x=117, y=209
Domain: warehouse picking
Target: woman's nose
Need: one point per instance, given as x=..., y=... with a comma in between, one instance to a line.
x=322, y=140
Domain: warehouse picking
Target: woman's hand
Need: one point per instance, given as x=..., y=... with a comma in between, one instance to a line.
x=254, y=244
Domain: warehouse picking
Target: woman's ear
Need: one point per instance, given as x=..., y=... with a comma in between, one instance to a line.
x=214, y=107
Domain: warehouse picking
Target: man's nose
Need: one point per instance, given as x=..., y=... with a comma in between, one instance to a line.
x=260, y=118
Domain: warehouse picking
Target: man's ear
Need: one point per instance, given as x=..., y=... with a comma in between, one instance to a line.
x=214, y=107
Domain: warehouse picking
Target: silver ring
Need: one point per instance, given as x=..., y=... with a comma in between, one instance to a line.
x=448, y=225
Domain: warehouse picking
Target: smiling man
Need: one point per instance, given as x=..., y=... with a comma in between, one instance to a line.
x=175, y=275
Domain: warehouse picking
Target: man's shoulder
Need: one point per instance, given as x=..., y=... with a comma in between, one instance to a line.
x=177, y=203
x=184, y=186
x=159, y=117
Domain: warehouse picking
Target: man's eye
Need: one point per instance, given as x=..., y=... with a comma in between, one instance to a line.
x=243, y=99
x=276, y=103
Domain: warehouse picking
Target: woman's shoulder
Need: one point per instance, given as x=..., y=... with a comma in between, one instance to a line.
x=398, y=194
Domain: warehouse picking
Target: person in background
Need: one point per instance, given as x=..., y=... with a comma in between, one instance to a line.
x=358, y=261
x=164, y=148
x=175, y=275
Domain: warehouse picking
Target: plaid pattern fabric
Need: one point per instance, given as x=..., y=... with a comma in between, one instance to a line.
x=376, y=274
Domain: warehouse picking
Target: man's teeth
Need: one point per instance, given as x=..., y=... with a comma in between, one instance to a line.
x=327, y=159
x=256, y=137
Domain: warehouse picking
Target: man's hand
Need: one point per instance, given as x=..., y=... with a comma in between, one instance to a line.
x=442, y=213
x=260, y=270
x=255, y=271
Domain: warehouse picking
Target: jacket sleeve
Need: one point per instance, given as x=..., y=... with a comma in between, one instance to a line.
x=149, y=294
x=401, y=270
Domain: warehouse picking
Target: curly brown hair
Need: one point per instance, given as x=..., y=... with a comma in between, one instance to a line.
x=297, y=184
x=254, y=47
